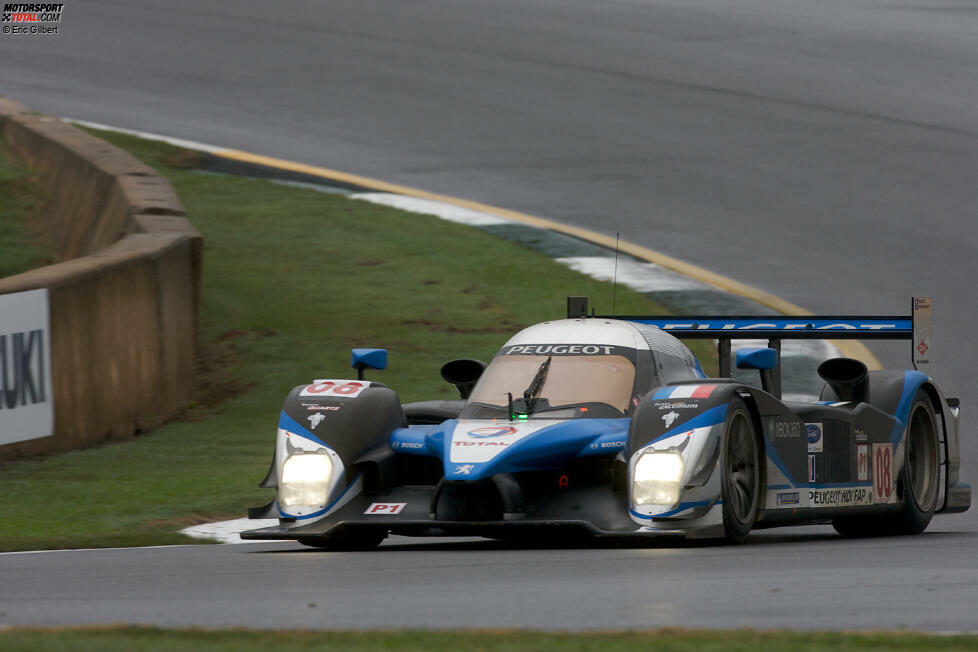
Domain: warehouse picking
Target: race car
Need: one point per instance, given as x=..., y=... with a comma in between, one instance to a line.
x=609, y=427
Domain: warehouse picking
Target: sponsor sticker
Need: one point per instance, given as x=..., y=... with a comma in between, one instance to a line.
x=316, y=419
x=960, y=498
x=784, y=429
x=492, y=431
x=669, y=418
x=843, y=497
x=335, y=388
x=862, y=462
x=464, y=469
x=815, y=439
x=789, y=324
x=861, y=435
x=677, y=405
x=385, y=508
x=788, y=498
x=685, y=391
x=560, y=349
x=921, y=330
x=316, y=407
x=479, y=443
x=413, y=445
x=883, y=489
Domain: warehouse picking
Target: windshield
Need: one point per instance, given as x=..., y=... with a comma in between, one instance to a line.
x=573, y=386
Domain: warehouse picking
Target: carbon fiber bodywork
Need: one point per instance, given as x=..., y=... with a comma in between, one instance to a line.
x=434, y=469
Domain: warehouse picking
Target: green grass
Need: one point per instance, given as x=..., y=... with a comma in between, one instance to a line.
x=149, y=638
x=293, y=279
x=22, y=245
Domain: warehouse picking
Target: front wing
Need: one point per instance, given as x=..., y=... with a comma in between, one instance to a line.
x=595, y=511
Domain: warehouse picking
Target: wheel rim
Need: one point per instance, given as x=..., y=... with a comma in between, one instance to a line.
x=741, y=470
x=922, y=459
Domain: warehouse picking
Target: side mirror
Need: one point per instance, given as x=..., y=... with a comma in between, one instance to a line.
x=763, y=359
x=463, y=373
x=361, y=359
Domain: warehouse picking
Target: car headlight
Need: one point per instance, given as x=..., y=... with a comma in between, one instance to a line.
x=305, y=480
x=658, y=478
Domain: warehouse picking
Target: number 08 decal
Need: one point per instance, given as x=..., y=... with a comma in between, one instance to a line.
x=335, y=388
x=883, y=489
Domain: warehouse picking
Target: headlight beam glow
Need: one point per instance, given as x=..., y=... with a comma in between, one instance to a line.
x=657, y=478
x=305, y=480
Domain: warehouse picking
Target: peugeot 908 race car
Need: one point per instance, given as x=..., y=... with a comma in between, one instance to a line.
x=610, y=427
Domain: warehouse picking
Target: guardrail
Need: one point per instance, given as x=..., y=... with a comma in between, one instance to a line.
x=123, y=302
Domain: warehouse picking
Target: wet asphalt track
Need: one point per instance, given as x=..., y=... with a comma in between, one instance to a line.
x=826, y=152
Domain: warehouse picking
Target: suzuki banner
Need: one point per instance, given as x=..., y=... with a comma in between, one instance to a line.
x=26, y=403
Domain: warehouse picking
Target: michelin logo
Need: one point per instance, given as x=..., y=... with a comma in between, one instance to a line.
x=669, y=418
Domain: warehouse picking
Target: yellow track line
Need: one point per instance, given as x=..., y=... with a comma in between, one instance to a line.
x=848, y=348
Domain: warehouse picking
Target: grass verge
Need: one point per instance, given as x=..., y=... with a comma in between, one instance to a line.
x=22, y=245
x=149, y=638
x=293, y=278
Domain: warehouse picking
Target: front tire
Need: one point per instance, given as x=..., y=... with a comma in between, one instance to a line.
x=741, y=479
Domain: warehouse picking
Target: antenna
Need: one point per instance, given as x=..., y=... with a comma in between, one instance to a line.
x=614, y=282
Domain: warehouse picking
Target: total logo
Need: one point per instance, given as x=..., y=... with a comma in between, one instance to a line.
x=492, y=431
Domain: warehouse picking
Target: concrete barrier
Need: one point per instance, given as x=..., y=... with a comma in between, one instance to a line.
x=124, y=297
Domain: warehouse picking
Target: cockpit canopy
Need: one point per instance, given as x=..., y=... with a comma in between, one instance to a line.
x=578, y=368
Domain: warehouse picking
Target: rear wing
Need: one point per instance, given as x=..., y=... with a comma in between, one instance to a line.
x=914, y=327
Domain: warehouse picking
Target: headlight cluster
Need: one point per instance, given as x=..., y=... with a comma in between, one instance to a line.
x=305, y=480
x=658, y=478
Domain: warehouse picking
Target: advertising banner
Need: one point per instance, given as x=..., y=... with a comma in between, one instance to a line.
x=26, y=403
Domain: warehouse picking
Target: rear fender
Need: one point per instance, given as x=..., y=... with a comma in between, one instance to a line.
x=956, y=495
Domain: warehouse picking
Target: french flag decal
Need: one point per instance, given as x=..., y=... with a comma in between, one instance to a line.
x=685, y=391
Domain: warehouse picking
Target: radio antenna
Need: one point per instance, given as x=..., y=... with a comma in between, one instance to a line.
x=614, y=281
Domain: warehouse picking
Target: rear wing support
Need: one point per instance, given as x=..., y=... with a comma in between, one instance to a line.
x=914, y=327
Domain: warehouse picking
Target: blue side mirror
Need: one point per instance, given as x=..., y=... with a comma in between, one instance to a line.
x=757, y=359
x=361, y=359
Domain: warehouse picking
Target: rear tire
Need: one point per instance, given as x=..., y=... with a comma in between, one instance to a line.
x=921, y=472
x=741, y=479
x=917, y=485
x=346, y=540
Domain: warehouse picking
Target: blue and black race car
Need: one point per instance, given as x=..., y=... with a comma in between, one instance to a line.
x=608, y=426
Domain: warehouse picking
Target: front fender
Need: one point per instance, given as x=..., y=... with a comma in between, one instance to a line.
x=677, y=409
x=690, y=419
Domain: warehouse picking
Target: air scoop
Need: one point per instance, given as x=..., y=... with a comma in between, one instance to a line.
x=848, y=378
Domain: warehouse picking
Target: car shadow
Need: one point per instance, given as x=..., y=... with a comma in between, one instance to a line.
x=762, y=538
